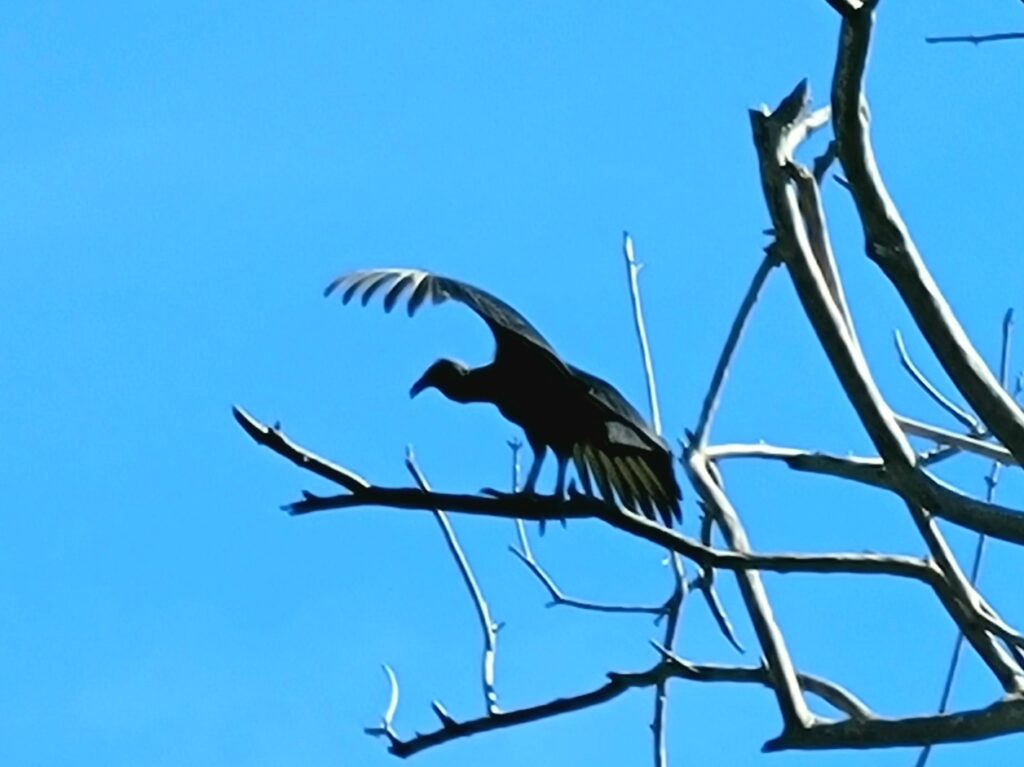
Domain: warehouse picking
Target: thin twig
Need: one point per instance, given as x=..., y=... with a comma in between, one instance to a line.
x=706, y=582
x=991, y=482
x=739, y=323
x=559, y=598
x=386, y=727
x=489, y=630
x=675, y=602
x=275, y=439
x=976, y=39
x=673, y=613
x=962, y=442
x=632, y=271
x=930, y=389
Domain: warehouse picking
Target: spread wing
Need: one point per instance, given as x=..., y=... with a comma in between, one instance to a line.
x=632, y=460
x=507, y=325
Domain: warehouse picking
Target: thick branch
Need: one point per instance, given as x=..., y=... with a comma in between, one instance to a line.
x=792, y=705
x=586, y=507
x=889, y=244
x=1002, y=718
x=783, y=181
x=927, y=490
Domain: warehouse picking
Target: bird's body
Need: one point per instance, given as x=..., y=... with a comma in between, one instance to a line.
x=579, y=416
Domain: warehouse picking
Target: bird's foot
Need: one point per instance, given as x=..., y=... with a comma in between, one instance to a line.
x=528, y=496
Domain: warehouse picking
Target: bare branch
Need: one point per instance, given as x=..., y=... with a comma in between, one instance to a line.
x=706, y=582
x=533, y=507
x=831, y=693
x=1001, y=718
x=976, y=39
x=559, y=598
x=889, y=244
x=739, y=323
x=280, y=444
x=452, y=730
x=487, y=627
x=792, y=705
x=617, y=684
x=386, y=727
x=632, y=272
x=991, y=482
x=930, y=389
x=783, y=179
x=673, y=612
x=961, y=442
x=941, y=499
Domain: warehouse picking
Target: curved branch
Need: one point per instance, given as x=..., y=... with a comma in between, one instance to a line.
x=889, y=245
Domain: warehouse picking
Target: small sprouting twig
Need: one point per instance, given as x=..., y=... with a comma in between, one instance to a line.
x=386, y=727
x=559, y=598
x=991, y=482
x=930, y=389
x=490, y=631
x=976, y=39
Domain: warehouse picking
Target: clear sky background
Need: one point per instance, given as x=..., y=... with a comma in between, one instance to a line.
x=180, y=180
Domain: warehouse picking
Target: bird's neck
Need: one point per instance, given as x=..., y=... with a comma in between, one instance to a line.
x=474, y=385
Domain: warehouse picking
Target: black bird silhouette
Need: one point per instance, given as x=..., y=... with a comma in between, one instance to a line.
x=576, y=414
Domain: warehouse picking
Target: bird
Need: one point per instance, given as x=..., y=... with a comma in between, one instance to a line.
x=579, y=416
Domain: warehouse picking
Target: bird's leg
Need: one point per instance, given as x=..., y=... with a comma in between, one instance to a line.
x=539, y=450
x=563, y=462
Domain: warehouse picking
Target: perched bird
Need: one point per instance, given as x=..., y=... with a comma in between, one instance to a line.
x=576, y=414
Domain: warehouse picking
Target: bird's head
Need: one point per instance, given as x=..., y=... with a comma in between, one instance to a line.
x=443, y=375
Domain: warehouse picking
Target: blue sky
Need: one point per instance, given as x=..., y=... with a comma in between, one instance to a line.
x=180, y=182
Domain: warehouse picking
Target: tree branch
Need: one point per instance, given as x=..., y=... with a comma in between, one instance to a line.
x=783, y=180
x=889, y=245
x=976, y=39
x=559, y=598
x=1001, y=718
x=483, y=612
x=930, y=389
x=617, y=684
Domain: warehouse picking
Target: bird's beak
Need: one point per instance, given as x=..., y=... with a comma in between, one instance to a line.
x=419, y=386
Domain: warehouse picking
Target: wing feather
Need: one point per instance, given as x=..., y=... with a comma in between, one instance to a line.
x=504, y=321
